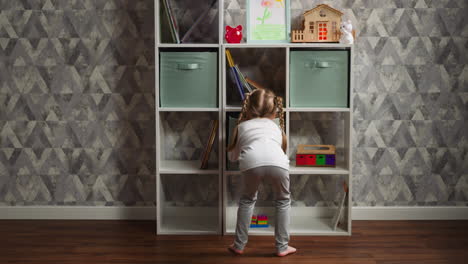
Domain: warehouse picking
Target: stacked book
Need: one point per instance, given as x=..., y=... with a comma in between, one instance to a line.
x=169, y=21
x=237, y=77
x=259, y=221
x=209, y=144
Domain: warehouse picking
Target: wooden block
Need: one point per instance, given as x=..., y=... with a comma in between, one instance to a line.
x=330, y=160
x=316, y=149
x=311, y=160
x=301, y=160
x=320, y=160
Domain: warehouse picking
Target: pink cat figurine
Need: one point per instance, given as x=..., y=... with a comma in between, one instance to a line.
x=233, y=35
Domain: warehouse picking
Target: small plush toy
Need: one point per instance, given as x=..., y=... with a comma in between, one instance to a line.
x=346, y=32
x=233, y=35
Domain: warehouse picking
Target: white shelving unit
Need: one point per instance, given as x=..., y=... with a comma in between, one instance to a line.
x=220, y=218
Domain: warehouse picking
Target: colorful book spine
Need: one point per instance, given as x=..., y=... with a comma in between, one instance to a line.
x=209, y=145
x=173, y=22
x=234, y=74
x=242, y=78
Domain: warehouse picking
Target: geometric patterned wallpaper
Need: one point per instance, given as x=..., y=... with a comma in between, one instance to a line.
x=186, y=135
x=410, y=98
x=77, y=101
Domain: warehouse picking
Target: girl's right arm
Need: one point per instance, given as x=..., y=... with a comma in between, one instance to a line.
x=233, y=148
x=233, y=155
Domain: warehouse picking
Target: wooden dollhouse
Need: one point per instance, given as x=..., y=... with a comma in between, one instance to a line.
x=321, y=24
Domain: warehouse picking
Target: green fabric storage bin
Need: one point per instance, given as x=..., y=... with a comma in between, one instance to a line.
x=188, y=79
x=319, y=78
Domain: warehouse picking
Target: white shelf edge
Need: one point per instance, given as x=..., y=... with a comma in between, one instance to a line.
x=318, y=109
x=232, y=108
x=318, y=170
x=188, y=109
x=298, y=109
x=204, y=172
x=284, y=45
x=255, y=45
x=184, y=167
x=188, y=45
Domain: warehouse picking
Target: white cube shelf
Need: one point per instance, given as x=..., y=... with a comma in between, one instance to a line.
x=268, y=64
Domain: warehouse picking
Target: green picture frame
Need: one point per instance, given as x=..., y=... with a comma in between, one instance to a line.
x=268, y=21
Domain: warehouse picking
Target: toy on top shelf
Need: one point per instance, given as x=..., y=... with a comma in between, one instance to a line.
x=259, y=221
x=233, y=35
x=347, y=33
x=320, y=24
x=316, y=155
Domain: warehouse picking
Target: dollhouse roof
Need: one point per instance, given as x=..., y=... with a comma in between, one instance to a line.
x=323, y=6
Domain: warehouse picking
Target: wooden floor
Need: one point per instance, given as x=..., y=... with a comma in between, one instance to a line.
x=93, y=242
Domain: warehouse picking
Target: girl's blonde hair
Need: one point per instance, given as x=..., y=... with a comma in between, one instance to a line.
x=261, y=103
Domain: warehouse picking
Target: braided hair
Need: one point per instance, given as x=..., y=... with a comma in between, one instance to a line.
x=261, y=103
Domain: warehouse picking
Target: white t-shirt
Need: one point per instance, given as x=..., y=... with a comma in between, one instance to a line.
x=259, y=144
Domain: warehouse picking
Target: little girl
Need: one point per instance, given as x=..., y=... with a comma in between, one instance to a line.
x=260, y=145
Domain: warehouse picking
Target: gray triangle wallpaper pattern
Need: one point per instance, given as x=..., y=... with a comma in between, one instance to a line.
x=77, y=104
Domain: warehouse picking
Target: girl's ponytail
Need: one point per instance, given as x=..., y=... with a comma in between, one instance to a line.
x=279, y=106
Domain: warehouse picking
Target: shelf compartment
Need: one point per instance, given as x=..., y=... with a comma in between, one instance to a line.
x=302, y=223
x=320, y=128
x=231, y=120
x=314, y=200
x=189, y=204
x=188, y=78
x=183, y=139
x=319, y=78
x=186, y=13
x=266, y=66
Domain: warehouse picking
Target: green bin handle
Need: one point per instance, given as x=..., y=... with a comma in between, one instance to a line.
x=318, y=64
x=188, y=66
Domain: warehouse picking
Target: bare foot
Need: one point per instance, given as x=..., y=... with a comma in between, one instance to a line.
x=235, y=251
x=288, y=251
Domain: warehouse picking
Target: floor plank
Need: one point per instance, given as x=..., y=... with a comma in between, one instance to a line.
x=372, y=242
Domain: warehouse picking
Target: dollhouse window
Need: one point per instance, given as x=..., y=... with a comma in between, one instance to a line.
x=334, y=26
x=322, y=13
x=322, y=30
x=311, y=27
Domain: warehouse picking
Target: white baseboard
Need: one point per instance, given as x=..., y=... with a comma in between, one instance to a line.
x=410, y=213
x=149, y=213
x=78, y=212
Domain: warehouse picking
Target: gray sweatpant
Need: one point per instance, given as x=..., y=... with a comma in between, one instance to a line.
x=279, y=179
